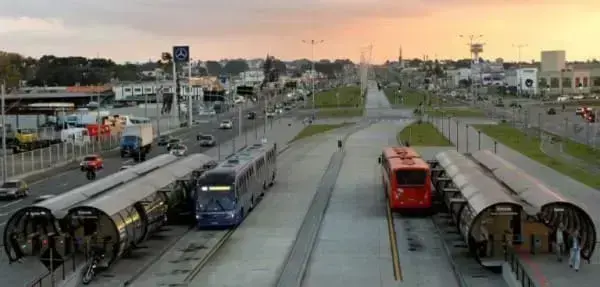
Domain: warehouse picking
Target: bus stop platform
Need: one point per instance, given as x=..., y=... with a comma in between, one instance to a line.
x=544, y=270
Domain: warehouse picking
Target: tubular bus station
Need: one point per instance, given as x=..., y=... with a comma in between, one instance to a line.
x=496, y=205
x=114, y=213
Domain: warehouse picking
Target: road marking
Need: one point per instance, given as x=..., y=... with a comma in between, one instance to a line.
x=9, y=213
x=12, y=203
x=393, y=244
x=2, y=223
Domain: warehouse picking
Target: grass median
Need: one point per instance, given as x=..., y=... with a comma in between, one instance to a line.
x=456, y=112
x=422, y=134
x=339, y=97
x=530, y=147
x=312, y=130
x=340, y=113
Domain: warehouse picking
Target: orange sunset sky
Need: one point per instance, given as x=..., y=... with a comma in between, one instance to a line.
x=137, y=30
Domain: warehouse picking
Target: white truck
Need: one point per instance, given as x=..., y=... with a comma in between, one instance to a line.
x=136, y=141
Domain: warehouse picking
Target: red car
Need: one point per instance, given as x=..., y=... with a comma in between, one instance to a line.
x=92, y=161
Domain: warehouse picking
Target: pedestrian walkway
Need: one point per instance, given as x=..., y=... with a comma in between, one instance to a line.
x=353, y=247
x=543, y=268
x=255, y=252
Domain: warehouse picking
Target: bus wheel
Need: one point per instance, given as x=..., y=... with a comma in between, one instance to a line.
x=251, y=204
x=241, y=217
x=272, y=180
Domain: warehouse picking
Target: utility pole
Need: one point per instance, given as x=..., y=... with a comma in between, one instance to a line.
x=189, y=101
x=4, y=156
x=472, y=39
x=519, y=76
x=313, y=72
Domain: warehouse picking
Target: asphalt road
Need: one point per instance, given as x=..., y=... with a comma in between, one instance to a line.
x=17, y=275
x=73, y=178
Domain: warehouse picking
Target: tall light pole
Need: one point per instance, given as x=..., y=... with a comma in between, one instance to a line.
x=313, y=43
x=519, y=78
x=4, y=156
x=472, y=38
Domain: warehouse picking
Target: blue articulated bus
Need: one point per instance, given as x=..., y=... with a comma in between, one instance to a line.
x=226, y=194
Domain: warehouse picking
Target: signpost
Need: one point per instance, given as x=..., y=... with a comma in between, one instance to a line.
x=181, y=54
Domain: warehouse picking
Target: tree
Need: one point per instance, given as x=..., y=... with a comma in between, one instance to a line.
x=235, y=67
x=11, y=65
x=213, y=68
x=279, y=66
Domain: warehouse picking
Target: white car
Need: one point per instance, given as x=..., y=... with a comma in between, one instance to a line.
x=270, y=114
x=179, y=150
x=226, y=125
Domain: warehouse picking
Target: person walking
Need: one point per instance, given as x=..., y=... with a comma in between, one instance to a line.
x=575, y=256
x=559, y=244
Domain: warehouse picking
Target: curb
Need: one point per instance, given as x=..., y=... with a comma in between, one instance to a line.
x=457, y=274
x=149, y=264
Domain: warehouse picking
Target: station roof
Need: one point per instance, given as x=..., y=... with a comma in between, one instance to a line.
x=477, y=188
x=135, y=191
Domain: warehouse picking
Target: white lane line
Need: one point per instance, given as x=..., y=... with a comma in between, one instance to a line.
x=2, y=223
x=10, y=204
x=9, y=213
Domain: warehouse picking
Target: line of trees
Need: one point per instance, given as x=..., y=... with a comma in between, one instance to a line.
x=51, y=70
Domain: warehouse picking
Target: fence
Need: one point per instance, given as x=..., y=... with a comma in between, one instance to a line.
x=517, y=268
x=20, y=164
x=61, y=273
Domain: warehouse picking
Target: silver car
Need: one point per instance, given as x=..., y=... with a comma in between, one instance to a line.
x=179, y=150
x=206, y=140
x=14, y=189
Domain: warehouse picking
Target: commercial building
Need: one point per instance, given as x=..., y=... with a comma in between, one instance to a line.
x=126, y=91
x=559, y=78
x=522, y=80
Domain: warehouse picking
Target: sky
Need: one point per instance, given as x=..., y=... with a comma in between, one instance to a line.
x=139, y=30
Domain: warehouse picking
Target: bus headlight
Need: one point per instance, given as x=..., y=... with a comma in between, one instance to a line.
x=231, y=214
x=205, y=188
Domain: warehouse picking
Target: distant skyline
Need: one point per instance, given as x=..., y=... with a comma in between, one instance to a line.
x=138, y=30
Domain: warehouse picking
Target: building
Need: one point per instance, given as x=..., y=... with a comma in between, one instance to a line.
x=456, y=76
x=559, y=78
x=522, y=80
x=131, y=91
x=552, y=61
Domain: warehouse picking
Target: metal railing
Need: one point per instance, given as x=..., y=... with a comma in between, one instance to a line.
x=19, y=164
x=517, y=268
x=61, y=273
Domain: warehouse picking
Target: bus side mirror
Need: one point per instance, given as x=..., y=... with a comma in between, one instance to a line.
x=379, y=160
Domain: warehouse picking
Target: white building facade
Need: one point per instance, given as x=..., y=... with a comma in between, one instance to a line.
x=523, y=80
x=126, y=90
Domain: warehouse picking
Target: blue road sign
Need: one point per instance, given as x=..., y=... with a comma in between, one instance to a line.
x=181, y=53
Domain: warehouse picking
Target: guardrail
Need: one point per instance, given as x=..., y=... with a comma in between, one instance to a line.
x=62, y=272
x=517, y=268
x=19, y=164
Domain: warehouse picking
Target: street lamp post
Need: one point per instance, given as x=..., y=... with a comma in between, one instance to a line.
x=313, y=72
x=472, y=38
x=519, y=78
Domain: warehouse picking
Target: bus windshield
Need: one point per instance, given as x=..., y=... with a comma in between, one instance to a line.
x=216, y=201
x=411, y=177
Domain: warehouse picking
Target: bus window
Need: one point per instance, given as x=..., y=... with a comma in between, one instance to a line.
x=411, y=177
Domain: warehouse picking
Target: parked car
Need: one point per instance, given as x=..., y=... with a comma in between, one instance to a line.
x=251, y=115
x=14, y=189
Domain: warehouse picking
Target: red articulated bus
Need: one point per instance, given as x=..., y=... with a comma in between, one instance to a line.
x=406, y=179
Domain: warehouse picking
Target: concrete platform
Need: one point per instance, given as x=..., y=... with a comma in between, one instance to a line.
x=256, y=251
x=541, y=266
x=353, y=247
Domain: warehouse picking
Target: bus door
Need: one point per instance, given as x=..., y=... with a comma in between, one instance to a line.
x=411, y=185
